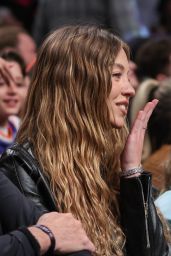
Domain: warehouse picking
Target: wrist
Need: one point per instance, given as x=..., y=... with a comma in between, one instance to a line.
x=31, y=238
x=51, y=236
x=133, y=172
x=42, y=238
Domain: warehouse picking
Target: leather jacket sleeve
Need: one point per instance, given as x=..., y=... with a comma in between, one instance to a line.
x=15, y=209
x=21, y=168
x=141, y=224
x=16, y=244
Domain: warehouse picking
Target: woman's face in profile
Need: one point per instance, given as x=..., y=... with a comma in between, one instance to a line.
x=121, y=91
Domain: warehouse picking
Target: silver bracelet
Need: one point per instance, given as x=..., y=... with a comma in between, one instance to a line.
x=132, y=171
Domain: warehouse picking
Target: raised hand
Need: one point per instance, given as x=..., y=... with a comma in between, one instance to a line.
x=131, y=156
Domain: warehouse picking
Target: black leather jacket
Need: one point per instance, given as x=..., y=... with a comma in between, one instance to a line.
x=141, y=224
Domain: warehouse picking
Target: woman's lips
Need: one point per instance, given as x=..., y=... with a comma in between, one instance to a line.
x=123, y=107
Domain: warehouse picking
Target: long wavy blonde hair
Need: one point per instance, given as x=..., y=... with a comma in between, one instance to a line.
x=67, y=121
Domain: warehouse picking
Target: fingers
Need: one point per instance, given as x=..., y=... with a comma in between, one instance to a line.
x=144, y=116
x=4, y=70
x=132, y=153
x=148, y=109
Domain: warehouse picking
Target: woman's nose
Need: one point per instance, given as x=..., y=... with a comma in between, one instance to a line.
x=129, y=89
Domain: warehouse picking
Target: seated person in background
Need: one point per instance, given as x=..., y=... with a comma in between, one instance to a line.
x=159, y=131
x=153, y=66
x=17, y=211
x=153, y=59
x=17, y=38
x=13, y=91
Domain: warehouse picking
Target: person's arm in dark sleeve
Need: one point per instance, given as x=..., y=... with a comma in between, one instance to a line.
x=15, y=209
x=21, y=168
x=16, y=243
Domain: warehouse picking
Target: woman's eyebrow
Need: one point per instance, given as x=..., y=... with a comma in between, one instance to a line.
x=118, y=65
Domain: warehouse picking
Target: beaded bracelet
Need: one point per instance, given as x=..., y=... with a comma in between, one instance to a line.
x=51, y=236
x=132, y=172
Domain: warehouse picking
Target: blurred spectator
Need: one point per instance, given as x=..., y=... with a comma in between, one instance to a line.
x=15, y=37
x=153, y=59
x=159, y=130
x=13, y=91
x=164, y=12
x=17, y=12
x=153, y=62
x=123, y=17
x=163, y=201
x=148, y=12
x=135, y=44
x=7, y=17
x=132, y=75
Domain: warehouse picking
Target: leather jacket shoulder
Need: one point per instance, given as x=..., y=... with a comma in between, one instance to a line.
x=141, y=224
x=19, y=165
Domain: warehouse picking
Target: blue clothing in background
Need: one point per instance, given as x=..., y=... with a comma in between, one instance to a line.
x=163, y=202
x=7, y=140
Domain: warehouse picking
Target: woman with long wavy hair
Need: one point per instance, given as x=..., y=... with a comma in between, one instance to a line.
x=69, y=153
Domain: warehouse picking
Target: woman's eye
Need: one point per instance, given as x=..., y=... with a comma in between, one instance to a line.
x=117, y=75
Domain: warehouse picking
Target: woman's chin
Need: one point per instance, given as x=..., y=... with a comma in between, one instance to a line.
x=118, y=123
